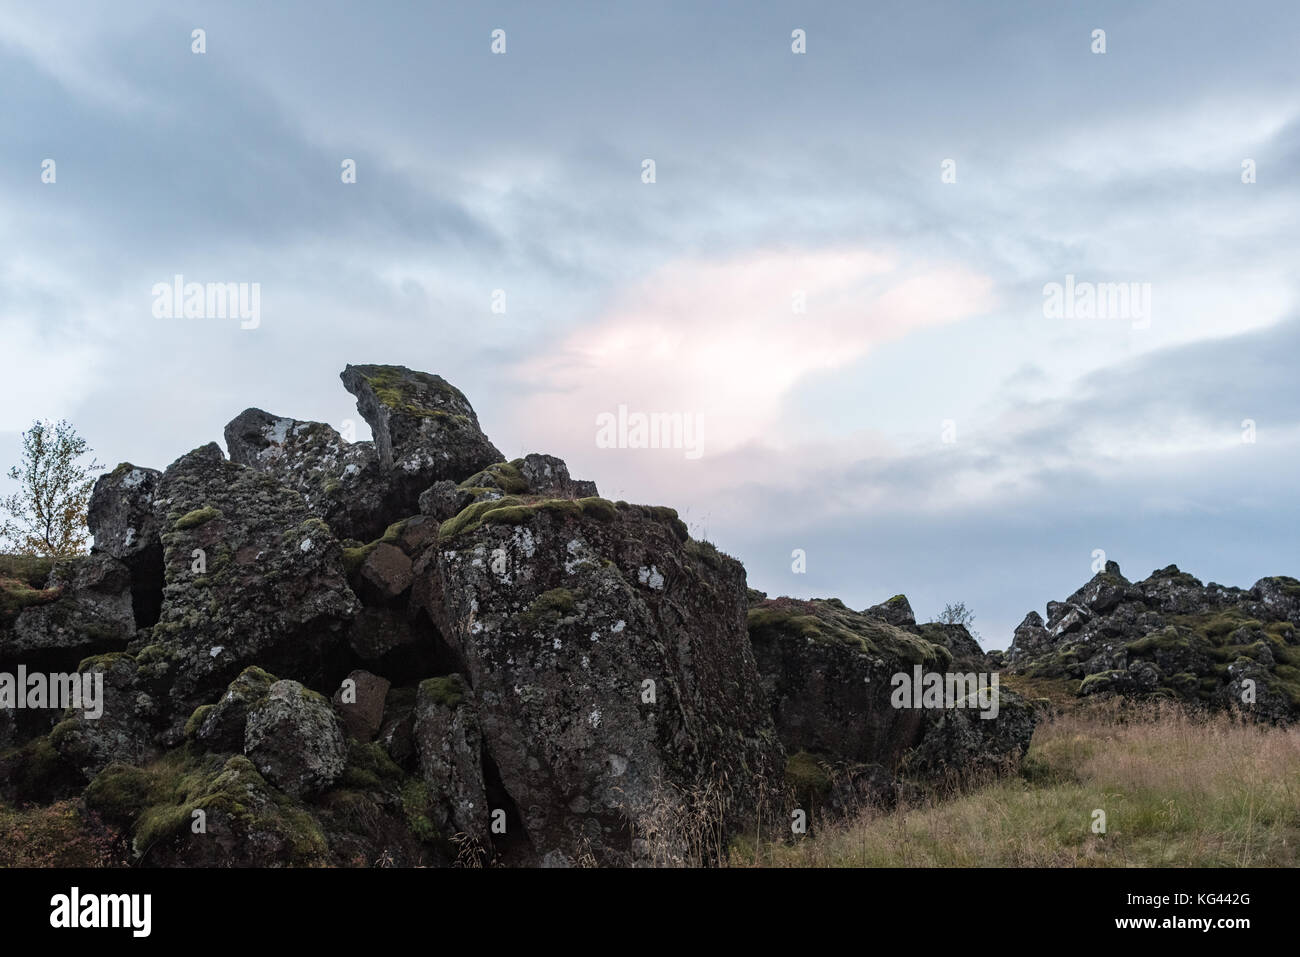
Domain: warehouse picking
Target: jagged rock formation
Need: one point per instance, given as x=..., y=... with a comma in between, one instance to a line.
x=1173, y=636
x=830, y=676
x=409, y=651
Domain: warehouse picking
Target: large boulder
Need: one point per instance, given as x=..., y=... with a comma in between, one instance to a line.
x=359, y=703
x=424, y=430
x=122, y=520
x=449, y=744
x=340, y=481
x=897, y=611
x=549, y=476
x=83, y=609
x=121, y=731
x=615, y=685
x=826, y=673
x=295, y=740
x=969, y=739
x=252, y=577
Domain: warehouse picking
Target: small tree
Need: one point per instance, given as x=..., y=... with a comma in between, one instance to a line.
x=959, y=614
x=47, y=515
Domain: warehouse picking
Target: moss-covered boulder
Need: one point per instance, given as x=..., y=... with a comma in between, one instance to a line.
x=255, y=580
x=449, y=743
x=424, y=430
x=613, y=676
x=295, y=740
x=340, y=481
x=84, y=608
x=826, y=672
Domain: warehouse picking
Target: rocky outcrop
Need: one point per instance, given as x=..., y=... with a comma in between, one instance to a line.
x=613, y=674
x=832, y=678
x=521, y=671
x=1172, y=636
x=826, y=674
x=295, y=740
x=424, y=430
x=121, y=519
x=251, y=578
x=83, y=608
x=340, y=481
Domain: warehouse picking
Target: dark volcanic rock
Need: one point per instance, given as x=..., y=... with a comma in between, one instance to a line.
x=295, y=740
x=897, y=612
x=612, y=672
x=449, y=744
x=549, y=476
x=85, y=608
x=252, y=578
x=424, y=429
x=1173, y=636
x=826, y=674
x=340, y=481
x=359, y=703
x=121, y=517
x=122, y=732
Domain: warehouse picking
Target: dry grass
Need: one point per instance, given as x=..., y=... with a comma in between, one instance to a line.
x=1177, y=789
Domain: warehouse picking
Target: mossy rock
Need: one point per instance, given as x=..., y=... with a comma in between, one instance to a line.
x=31, y=570
x=503, y=475
x=512, y=510
x=808, y=777
x=199, y=516
x=448, y=691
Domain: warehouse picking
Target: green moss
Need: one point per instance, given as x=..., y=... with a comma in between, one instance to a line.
x=806, y=775
x=1166, y=639
x=369, y=767
x=31, y=570
x=417, y=805
x=121, y=791
x=1101, y=679
x=448, y=691
x=196, y=719
x=392, y=387
x=825, y=622
x=355, y=557
x=503, y=475
x=196, y=518
x=184, y=781
x=103, y=662
x=663, y=513
x=708, y=553
x=601, y=509
x=15, y=595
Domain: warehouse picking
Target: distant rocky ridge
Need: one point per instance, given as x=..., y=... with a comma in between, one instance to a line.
x=411, y=651
x=1171, y=636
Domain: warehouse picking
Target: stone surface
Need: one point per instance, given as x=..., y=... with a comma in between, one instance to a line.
x=359, y=703
x=424, y=429
x=294, y=739
x=340, y=481
x=449, y=744
x=610, y=664
x=251, y=578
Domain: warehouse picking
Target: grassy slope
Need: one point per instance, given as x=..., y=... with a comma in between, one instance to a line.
x=1177, y=791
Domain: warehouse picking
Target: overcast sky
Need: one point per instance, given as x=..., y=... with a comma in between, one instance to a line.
x=922, y=426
